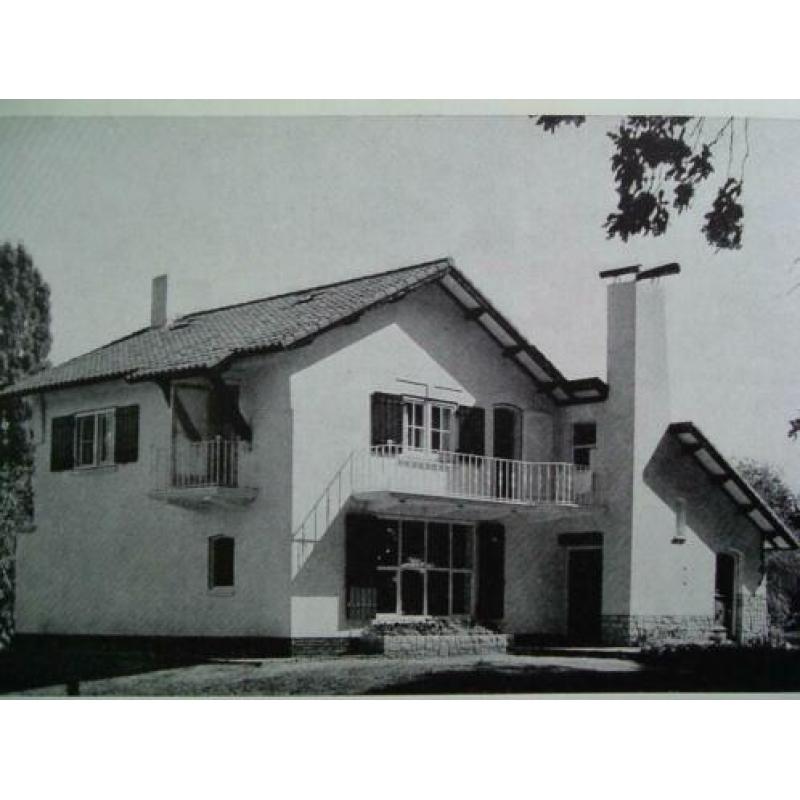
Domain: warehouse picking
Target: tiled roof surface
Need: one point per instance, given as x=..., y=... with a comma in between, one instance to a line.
x=205, y=339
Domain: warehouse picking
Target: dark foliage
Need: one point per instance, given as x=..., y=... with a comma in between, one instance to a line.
x=24, y=345
x=657, y=164
x=723, y=226
x=783, y=569
x=550, y=122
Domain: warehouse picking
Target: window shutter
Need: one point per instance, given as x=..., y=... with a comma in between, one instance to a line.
x=471, y=430
x=361, y=559
x=387, y=419
x=126, y=434
x=62, y=443
x=490, y=605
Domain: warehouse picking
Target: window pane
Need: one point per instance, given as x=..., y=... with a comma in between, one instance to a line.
x=412, y=587
x=438, y=593
x=386, y=584
x=462, y=592
x=85, y=433
x=106, y=437
x=419, y=414
x=582, y=456
x=222, y=561
x=436, y=416
x=387, y=550
x=413, y=542
x=436, y=442
x=462, y=547
x=438, y=545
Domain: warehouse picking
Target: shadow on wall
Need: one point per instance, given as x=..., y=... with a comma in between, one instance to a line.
x=674, y=477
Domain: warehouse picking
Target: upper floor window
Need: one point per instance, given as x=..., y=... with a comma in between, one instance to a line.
x=419, y=424
x=95, y=438
x=584, y=443
x=427, y=425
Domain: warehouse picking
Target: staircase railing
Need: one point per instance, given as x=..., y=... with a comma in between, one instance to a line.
x=392, y=468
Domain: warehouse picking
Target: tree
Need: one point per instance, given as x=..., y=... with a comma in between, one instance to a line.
x=783, y=569
x=24, y=346
x=657, y=165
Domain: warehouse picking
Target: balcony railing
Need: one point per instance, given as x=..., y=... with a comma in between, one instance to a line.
x=471, y=477
x=207, y=463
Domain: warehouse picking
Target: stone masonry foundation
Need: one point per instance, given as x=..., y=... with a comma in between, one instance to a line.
x=639, y=629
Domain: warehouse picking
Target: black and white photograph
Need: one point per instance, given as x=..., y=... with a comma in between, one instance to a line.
x=395, y=404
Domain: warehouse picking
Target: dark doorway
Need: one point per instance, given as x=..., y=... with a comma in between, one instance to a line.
x=490, y=606
x=506, y=449
x=584, y=594
x=725, y=593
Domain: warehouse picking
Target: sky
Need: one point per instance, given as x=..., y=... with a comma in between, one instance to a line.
x=235, y=208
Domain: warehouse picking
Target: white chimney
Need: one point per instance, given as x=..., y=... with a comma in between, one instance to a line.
x=158, y=302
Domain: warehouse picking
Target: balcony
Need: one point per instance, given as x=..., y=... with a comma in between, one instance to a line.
x=390, y=478
x=202, y=474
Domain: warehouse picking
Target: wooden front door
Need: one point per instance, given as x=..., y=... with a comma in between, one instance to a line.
x=584, y=594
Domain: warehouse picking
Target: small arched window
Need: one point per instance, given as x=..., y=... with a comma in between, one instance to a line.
x=220, y=562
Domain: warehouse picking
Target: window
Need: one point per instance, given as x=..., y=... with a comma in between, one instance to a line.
x=428, y=425
x=94, y=439
x=424, y=567
x=220, y=562
x=584, y=443
x=415, y=423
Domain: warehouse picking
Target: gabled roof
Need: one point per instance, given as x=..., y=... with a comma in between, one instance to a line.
x=721, y=472
x=209, y=340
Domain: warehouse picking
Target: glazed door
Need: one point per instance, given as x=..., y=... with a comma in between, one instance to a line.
x=584, y=594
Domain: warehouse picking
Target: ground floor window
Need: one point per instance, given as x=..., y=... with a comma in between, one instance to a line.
x=413, y=567
x=220, y=562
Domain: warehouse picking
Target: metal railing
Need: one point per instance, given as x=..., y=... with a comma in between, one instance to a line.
x=472, y=477
x=442, y=474
x=207, y=463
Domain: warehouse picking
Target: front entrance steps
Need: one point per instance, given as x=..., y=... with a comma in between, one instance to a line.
x=430, y=638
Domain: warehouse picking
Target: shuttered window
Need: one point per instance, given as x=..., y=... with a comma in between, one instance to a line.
x=62, y=443
x=95, y=439
x=471, y=430
x=387, y=419
x=126, y=442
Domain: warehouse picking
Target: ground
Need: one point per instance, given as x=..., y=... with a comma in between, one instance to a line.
x=378, y=675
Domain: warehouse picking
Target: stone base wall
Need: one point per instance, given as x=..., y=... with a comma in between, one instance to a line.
x=754, y=618
x=420, y=646
x=639, y=629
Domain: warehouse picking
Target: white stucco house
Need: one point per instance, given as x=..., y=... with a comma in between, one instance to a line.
x=288, y=470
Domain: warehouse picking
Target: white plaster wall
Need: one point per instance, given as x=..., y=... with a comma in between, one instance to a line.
x=424, y=338
x=107, y=559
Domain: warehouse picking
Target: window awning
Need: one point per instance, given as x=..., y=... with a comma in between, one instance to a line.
x=776, y=533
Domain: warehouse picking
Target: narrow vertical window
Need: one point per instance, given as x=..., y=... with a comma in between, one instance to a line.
x=680, y=521
x=220, y=562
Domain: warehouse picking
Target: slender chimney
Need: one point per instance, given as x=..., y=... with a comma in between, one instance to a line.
x=158, y=302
